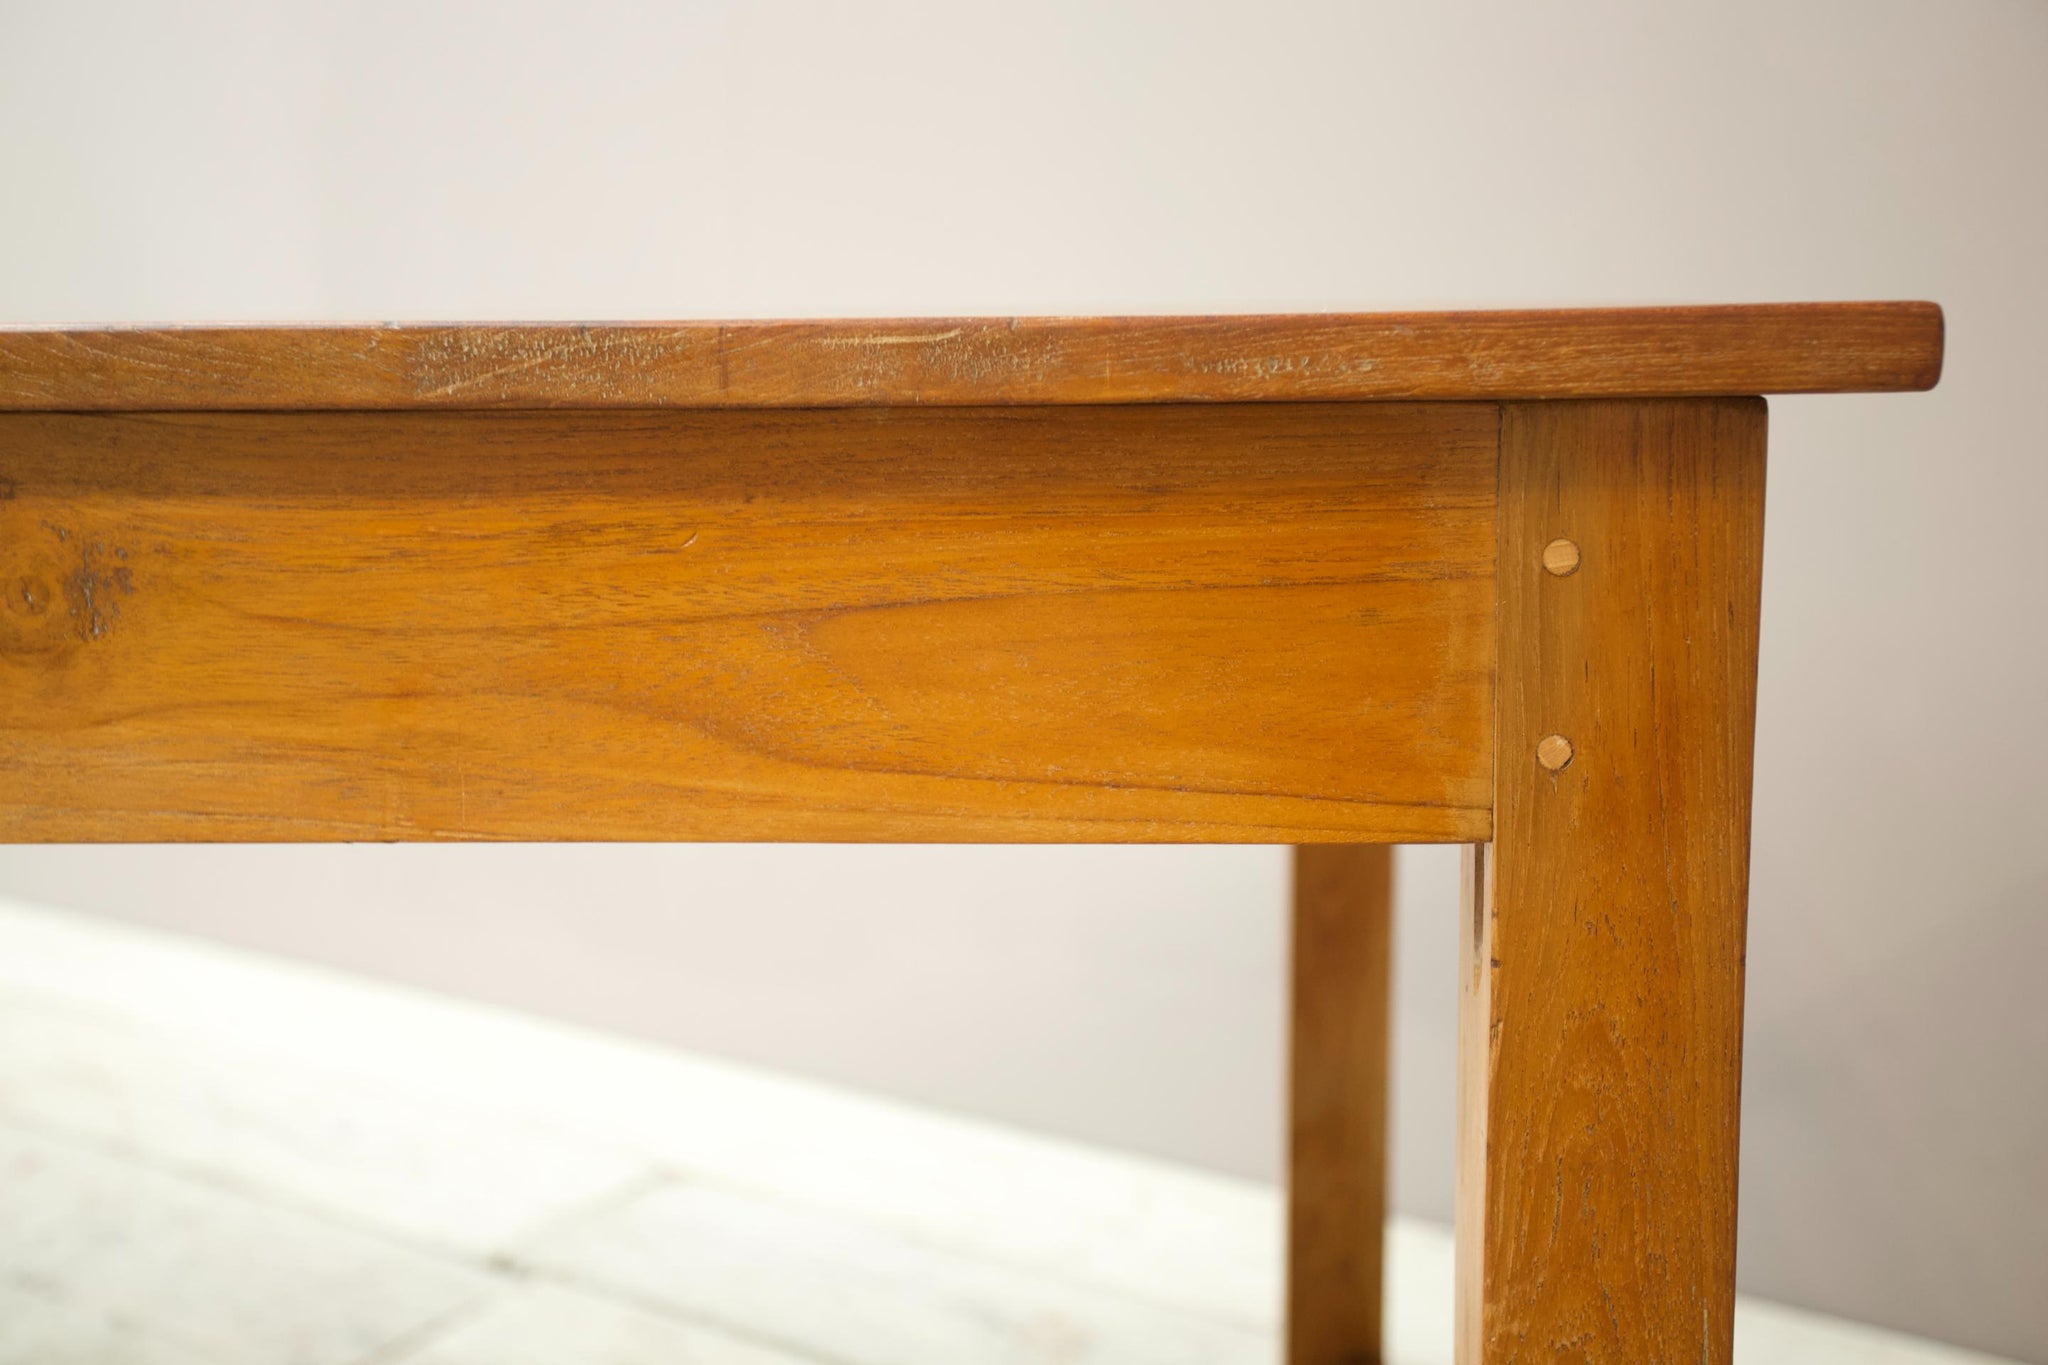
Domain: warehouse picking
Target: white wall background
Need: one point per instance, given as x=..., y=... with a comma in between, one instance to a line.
x=438, y=160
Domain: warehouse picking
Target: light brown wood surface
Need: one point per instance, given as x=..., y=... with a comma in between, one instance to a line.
x=1265, y=623
x=1337, y=1144
x=1552, y=353
x=1601, y=1017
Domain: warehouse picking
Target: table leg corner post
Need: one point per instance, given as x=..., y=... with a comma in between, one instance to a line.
x=1601, y=990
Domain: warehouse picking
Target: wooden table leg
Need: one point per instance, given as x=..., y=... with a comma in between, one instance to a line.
x=1601, y=1013
x=1338, y=1103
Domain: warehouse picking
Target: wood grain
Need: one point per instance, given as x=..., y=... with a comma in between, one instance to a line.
x=1337, y=1166
x=1251, y=623
x=1601, y=1019
x=1558, y=353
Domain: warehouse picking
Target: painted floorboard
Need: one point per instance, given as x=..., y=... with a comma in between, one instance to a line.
x=209, y=1155
x=409, y=1165
x=542, y=1324
x=186, y=1265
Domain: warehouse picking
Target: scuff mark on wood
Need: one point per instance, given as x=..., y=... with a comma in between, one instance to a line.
x=94, y=589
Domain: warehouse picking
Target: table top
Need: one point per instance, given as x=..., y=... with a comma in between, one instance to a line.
x=1552, y=353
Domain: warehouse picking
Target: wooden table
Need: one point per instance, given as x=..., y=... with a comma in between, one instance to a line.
x=1334, y=581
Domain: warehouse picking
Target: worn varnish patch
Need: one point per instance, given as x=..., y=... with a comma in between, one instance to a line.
x=1161, y=623
x=490, y=366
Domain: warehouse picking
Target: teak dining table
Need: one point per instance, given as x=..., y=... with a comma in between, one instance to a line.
x=1334, y=581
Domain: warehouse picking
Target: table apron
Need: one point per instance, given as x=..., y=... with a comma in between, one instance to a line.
x=1219, y=623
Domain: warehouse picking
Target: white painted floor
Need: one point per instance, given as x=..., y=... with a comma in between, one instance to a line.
x=207, y=1156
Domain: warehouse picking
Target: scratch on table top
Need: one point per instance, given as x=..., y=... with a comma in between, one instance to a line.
x=896, y=338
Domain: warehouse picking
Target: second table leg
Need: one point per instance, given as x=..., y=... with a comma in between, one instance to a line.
x=1338, y=1104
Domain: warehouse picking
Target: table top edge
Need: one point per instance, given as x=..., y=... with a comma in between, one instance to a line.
x=1511, y=355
